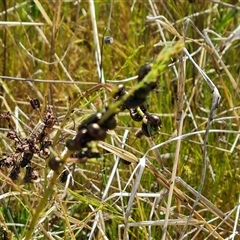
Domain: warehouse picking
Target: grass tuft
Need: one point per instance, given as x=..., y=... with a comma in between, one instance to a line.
x=181, y=183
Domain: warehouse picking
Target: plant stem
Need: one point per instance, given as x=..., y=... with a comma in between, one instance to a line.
x=43, y=202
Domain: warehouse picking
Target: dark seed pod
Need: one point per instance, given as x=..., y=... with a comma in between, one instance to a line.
x=152, y=85
x=7, y=162
x=144, y=91
x=35, y=103
x=45, y=144
x=139, y=133
x=94, y=155
x=83, y=156
x=145, y=129
x=80, y=141
x=149, y=130
x=139, y=96
x=152, y=119
x=143, y=108
x=108, y=40
x=82, y=138
x=125, y=162
x=110, y=123
x=155, y=120
x=63, y=176
x=135, y=115
x=96, y=132
x=94, y=118
x=4, y=234
x=27, y=157
x=55, y=163
x=13, y=136
x=49, y=118
x=15, y=172
x=133, y=101
x=87, y=154
x=31, y=175
x=143, y=71
x=41, y=136
x=119, y=92
x=70, y=144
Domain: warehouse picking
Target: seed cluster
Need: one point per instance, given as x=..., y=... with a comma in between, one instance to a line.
x=93, y=129
x=25, y=148
x=136, y=104
x=90, y=130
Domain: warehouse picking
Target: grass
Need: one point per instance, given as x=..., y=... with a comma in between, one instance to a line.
x=49, y=54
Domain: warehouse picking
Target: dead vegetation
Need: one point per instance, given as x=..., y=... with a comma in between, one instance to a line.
x=71, y=165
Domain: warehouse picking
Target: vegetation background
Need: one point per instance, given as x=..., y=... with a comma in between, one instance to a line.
x=48, y=52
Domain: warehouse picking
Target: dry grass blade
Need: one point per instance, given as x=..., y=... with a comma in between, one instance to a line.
x=172, y=222
x=210, y=206
x=231, y=38
x=122, y=187
x=174, y=172
x=140, y=169
x=133, y=159
x=119, y=152
x=43, y=12
x=10, y=24
x=215, y=101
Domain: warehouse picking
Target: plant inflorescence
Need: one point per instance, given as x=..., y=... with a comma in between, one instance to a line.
x=78, y=114
x=37, y=143
x=91, y=129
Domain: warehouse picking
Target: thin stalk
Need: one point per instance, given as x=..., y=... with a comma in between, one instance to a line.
x=174, y=171
x=46, y=195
